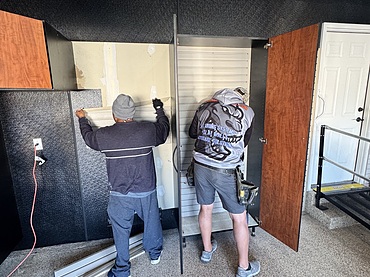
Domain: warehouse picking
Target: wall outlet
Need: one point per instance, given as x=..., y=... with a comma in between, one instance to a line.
x=38, y=141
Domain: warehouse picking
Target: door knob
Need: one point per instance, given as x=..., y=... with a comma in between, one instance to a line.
x=263, y=140
x=360, y=109
x=358, y=119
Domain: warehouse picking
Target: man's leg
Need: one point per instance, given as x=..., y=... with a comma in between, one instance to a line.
x=205, y=225
x=121, y=218
x=153, y=238
x=203, y=179
x=241, y=234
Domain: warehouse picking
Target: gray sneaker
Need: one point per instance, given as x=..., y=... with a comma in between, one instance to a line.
x=255, y=269
x=207, y=256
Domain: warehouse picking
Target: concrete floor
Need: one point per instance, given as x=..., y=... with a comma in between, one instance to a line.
x=322, y=252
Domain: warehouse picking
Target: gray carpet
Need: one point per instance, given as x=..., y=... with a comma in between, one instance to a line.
x=322, y=252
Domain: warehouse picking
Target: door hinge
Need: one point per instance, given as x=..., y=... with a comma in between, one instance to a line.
x=267, y=45
x=263, y=140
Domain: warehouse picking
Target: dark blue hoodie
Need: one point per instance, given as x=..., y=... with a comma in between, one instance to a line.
x=128, y=147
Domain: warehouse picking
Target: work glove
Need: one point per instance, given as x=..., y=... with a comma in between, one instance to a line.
x=157, y=103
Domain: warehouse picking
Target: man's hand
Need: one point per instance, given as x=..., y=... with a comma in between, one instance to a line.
x=80, y=113
x=157, y=103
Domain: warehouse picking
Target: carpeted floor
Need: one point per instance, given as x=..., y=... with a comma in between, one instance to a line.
x=322, y=252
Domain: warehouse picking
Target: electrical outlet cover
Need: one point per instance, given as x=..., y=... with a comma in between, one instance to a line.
x=37, y=141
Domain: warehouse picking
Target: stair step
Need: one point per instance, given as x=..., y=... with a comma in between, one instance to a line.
x=332, y=217
x=357, y=205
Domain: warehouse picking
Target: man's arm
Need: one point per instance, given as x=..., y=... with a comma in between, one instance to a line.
x=248, y=134
x=87, y=132
x=193, y=129
x=162, y=125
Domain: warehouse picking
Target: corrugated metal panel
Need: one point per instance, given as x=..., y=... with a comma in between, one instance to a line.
x=201, y=72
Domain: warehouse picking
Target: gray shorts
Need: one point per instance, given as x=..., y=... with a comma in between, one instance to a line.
x=208, y=181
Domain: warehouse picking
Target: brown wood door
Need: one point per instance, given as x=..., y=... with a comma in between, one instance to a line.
x=23, y=56
x=289, y=90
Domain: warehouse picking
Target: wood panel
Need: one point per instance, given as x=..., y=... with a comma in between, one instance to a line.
x=23, y=54
x=289, y=89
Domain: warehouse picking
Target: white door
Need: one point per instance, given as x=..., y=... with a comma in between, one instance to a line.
x=340, y=97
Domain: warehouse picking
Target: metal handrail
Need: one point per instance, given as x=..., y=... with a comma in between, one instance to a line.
x=322, y=159
x=346, y=169
x=345, y=133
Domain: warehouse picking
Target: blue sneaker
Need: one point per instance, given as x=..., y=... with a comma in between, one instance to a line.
x=207, y=256
x=110, y=274
x=156, y=261
x=254, y=270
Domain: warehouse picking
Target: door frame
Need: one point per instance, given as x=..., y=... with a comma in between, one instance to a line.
x=363, y=157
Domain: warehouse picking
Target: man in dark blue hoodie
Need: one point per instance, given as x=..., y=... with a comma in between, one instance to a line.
x=128, y=147
x=222, y=127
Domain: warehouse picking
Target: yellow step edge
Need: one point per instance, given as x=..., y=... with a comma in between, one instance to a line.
x=341, y=187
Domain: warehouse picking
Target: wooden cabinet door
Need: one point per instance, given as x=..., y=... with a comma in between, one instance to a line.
x=289, y=90
x=23, y=55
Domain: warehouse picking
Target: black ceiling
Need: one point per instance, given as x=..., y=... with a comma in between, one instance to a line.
x=152, y=20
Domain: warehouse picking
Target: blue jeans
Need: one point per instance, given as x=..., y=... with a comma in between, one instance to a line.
x=121, y=211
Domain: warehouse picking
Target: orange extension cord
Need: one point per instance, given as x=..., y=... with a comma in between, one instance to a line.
x=31, y=216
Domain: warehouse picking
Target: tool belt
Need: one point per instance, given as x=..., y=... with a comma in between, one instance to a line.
x=247, y=191
x=190, y=171
x=221, y=170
